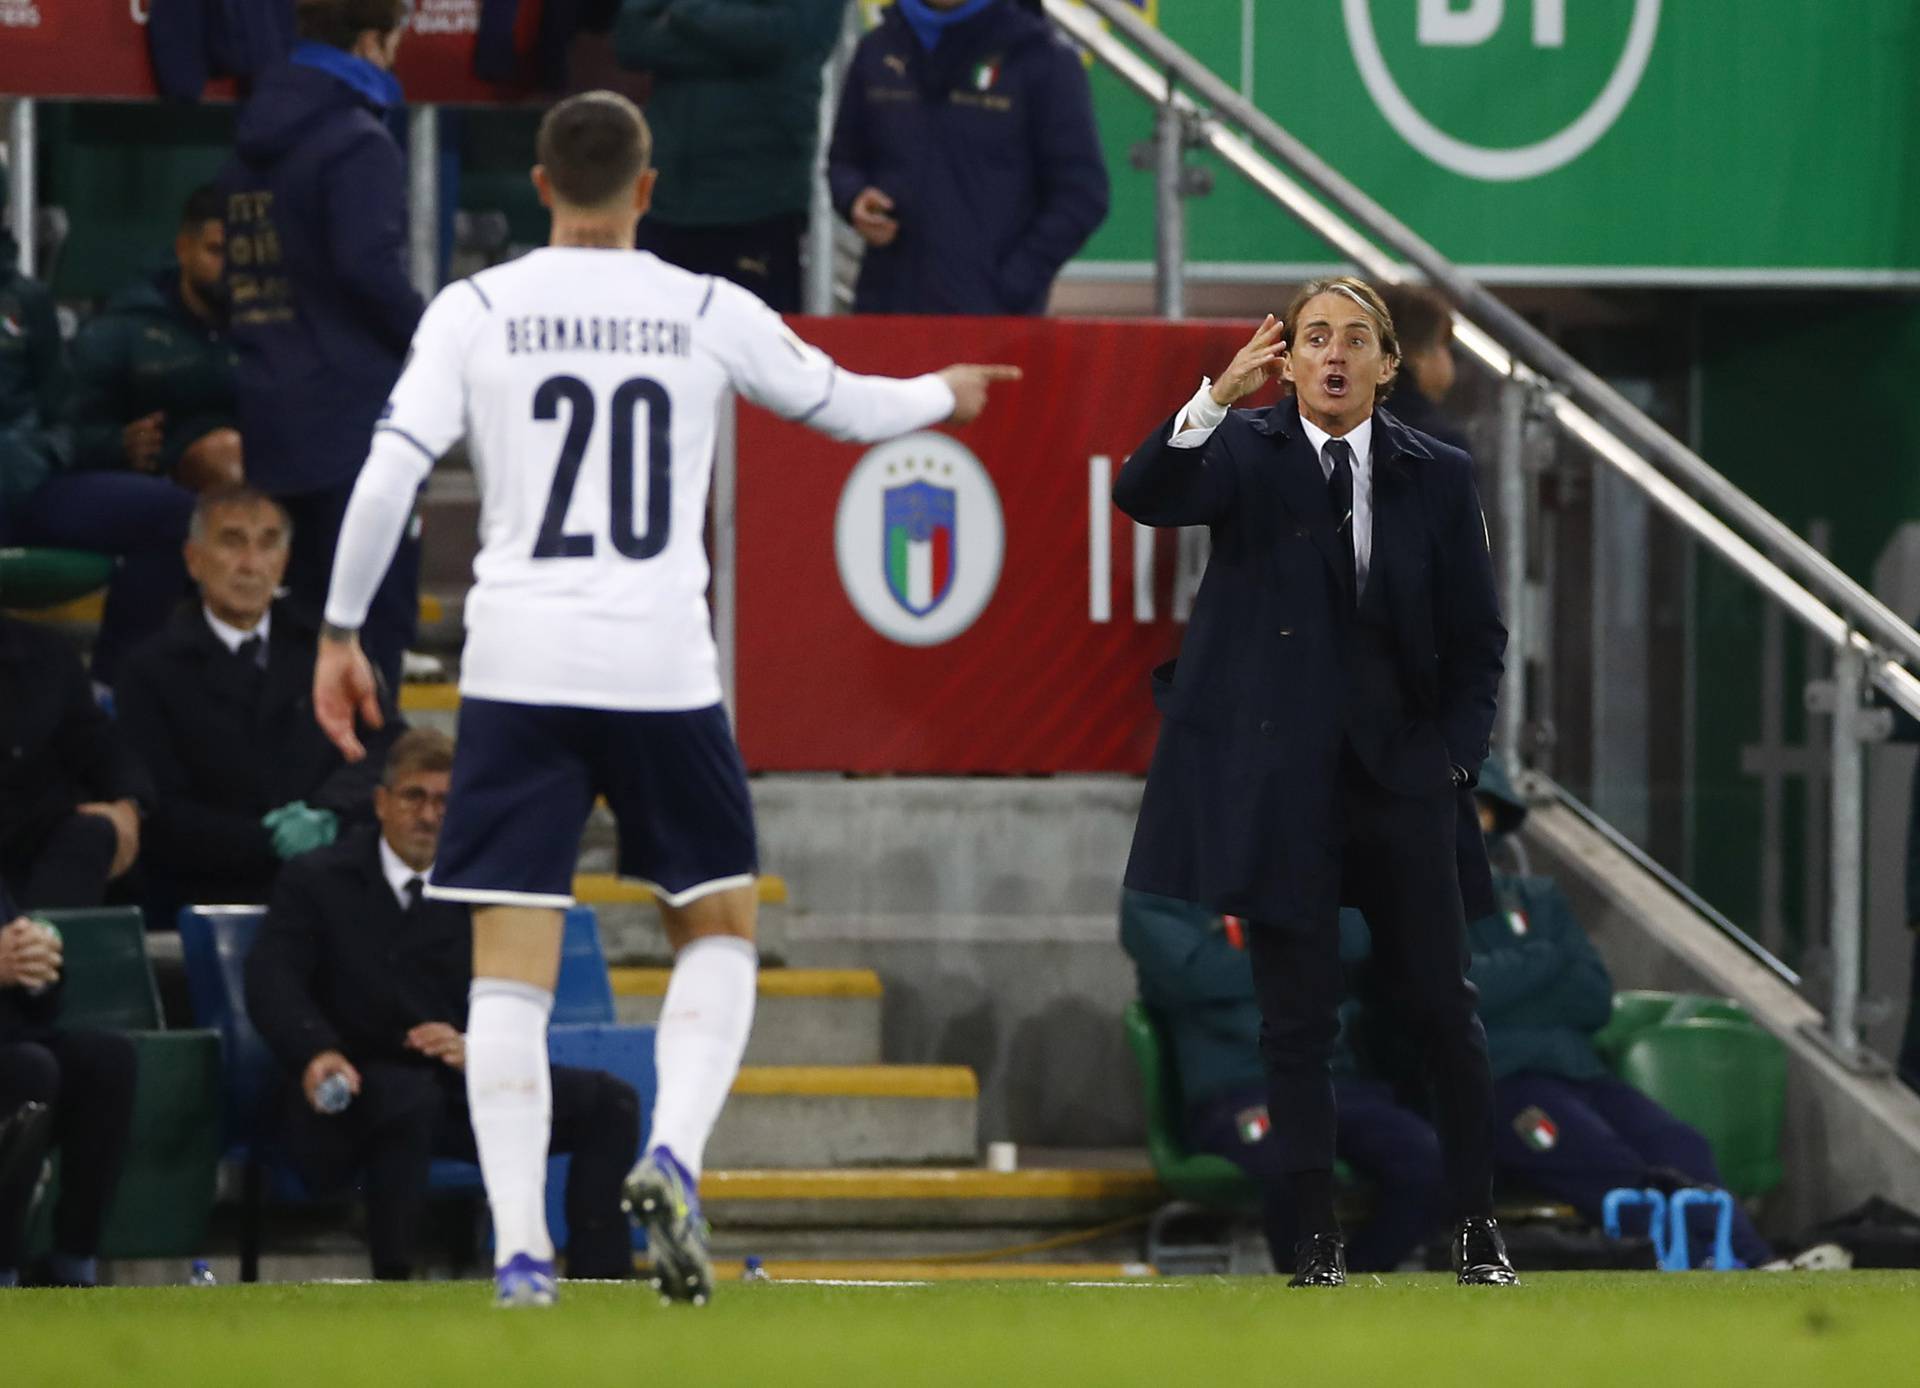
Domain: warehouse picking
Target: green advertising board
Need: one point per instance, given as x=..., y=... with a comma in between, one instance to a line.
x=1771, y=142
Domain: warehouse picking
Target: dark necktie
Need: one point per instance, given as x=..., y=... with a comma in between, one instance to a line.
x=415, y=892
x=253, y=652
x=1339, y=456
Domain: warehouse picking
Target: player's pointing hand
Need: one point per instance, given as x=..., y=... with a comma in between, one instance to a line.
x=343, y=687
x=969, y=385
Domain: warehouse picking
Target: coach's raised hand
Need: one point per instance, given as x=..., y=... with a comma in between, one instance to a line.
x=969, y=386
x=343, y=686
x=1253, y=366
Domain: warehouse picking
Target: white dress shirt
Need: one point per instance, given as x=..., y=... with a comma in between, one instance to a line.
x=232, y=636
x=1202, y=416
x=398, y=874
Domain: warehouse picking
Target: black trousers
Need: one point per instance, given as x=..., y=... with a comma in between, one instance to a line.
x=64, y=867
x=410, y=1112
x=1393, y=856
x=87, y=1079
x=761, y=256
x=395, y=614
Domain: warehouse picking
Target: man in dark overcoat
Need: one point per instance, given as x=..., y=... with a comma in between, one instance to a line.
x=1324, y=724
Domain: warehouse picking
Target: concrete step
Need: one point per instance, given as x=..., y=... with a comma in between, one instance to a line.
x=786, y=1116
x=630, y=930
x=803, y=1017
x=924, y=1198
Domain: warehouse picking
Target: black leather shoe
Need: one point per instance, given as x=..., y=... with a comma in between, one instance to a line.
x=1480, y=1255
x=1320, y=1261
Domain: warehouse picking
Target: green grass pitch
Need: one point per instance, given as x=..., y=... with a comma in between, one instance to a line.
x=1648, y=1330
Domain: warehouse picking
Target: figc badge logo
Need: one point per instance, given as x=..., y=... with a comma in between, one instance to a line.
x=919, y=539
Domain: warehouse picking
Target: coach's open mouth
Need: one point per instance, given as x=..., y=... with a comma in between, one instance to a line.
x=1334, y=383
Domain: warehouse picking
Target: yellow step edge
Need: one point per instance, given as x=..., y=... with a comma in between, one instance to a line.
x=929, y=1183
x=91, y=607
x=774, y=983
x=606, y=889
x=902, y=1270
x=859, y=1081
x=429, y=698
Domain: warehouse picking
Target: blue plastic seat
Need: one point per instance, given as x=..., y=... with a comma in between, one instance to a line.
x=216, y=941
x=584, y=992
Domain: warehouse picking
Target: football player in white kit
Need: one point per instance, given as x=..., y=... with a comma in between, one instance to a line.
x=587, y=379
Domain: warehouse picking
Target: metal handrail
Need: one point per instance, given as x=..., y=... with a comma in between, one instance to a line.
x=1555, y=792
x=1784, y=564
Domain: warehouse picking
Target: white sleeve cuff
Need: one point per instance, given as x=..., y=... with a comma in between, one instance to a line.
x=1198, y=419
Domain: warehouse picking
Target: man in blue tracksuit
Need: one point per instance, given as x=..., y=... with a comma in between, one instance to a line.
x=1563, y=1125
x=1196, y=981
x=322, y=309
x=966, y=157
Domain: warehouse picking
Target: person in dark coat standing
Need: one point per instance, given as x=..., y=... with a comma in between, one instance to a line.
x=60, y=1087
x=1195, y=980
x=735, y=115
x=1327, y=714
x=965, y=155
x=357, y=973
x=71, y=792
x=322, y=308
x=218, y=705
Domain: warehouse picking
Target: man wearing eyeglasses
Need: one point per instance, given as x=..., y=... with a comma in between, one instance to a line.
x=359, y=985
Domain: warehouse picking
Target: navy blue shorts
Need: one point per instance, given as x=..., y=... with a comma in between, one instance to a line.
x=524, y=781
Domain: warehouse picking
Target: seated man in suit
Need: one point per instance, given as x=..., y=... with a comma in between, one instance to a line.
x=219, y=705
x=1196, y=980
x=1563, y=1124
x=71, y=794
x=358, y=975
x=64, y=1088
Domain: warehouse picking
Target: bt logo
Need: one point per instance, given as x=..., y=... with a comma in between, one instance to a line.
x=1449, y=27
x=1443, y=26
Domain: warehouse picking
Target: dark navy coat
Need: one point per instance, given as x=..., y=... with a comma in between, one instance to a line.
x=988, y=149
x=1249, y=754
x=323, y=310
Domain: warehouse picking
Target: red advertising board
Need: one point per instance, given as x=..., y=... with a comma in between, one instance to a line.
x=97, y=49
x=970, y=600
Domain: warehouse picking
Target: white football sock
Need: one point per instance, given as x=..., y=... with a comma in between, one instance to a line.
x=702, y=1034
x=510, y=1099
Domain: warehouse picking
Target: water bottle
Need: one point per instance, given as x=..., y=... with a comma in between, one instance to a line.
x=52, y=931
x=202, y=1275
x=333, y=1094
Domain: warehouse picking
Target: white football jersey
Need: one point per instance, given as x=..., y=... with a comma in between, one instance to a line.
x=587, y=384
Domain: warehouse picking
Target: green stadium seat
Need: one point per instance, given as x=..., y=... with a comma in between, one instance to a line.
x=31, y=579
x=1728, y=1079
x=109, y=980
x=1689, y=1006
x=1633, y=1012
x=167, y=1187
x=1200, y=1177
x=1637, y=1009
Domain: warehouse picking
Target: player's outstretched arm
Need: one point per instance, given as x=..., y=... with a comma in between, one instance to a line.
x=772, y=367
x=969, y=383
